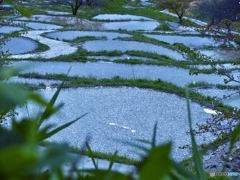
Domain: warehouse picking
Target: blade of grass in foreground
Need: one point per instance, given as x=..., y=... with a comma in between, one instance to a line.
x=113, y=159
x=49, y=108
x=154, y=136
x=91, y=154
x=234, y=138
x=60, y=128
x=196, y=154
x=183, y=171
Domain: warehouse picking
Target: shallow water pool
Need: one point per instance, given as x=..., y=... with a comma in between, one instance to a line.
x=119, y=45
x=117, y=115
x=70, y=35
x=121, y=17
x=9, y=29
x=191, y=41
x=19, y=45
x=177, y=76
x=130, y=25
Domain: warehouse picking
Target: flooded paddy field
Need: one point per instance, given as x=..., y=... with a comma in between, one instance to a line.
x=37, y=25
x=177, y=76
x=119, y=45
x=71, y=35
x=190, y=41
x=117, y=114
x=9, y=29
x=226, y=96
x=10, y=45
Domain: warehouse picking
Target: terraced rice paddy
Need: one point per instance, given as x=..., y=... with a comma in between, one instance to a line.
x=116, y=114
x=109, y=70
x=129, y=114
x=10, y=46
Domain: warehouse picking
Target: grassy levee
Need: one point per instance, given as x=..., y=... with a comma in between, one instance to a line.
x=159, y=85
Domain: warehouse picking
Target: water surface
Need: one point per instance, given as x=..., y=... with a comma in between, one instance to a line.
x=119, y=45
x=9, y=29
x=226, y=96
x=221, y=55
x=19, y=45
x=130, y=26
x=117, y=115
x=191, y=41
x=58, y=13
x=76, y=22
x=38, y=26
x=123, y=57
x=119, y=17
x=86, y=24
x=34, y=81
x=70, y=35
x=99, y=70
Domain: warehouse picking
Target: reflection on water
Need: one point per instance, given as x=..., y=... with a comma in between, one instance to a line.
x=70, y=35
x=191, y=41
x=227, y=97
x=19, y=45
x=34, y=81
x=117, y=115
x=9, y=29
x=221, y=55
x=75, y=22
x=58, y=13
x=111, y=45
x=121, y=17
x=131, y=25
x=114, y=58
x=38, y=26
x=177, y=76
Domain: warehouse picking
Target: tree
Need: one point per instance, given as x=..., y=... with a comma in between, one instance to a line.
x=178, y=7
x=220, y=12
x=74, y=4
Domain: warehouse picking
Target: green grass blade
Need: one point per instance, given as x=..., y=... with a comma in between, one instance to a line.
x=37, y=98
x=157, y=165
x=183, y=171
x=61, y=128
x=141, y=147
x=196, y=154
x=112, y=161
x=23, y=11
x=144, y=141
x=235, y=134
x=234, y=137
x=49, y=107
x=154, y=135
x=91, y=154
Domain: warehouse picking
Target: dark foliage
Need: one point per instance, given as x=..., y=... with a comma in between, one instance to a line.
x=220, y=11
